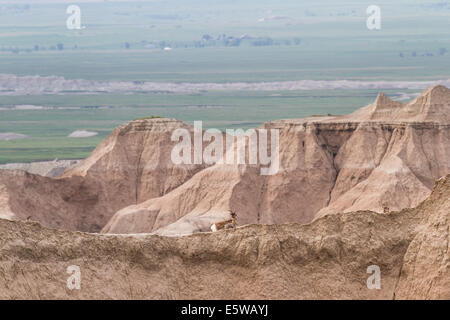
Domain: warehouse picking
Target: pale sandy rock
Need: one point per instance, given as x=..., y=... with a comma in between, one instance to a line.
x=327, y=259
x=208, y=191
x=430, y=106
x=130, y=166
x=382, y=157
x=425, y=272
x=306, y=178
x=386, y=155
x=397, y=173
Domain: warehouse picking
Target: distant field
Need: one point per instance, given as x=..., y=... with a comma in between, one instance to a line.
x=49, y=129
x=232, y=64
x=321, y=40
x=210, y=41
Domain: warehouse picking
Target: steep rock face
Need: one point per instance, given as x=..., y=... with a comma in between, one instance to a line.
x=385, y=156
x=327, y=259
x=425, y=272
x=397, y=173
x=430, y=106
x=132, y=165
x=379, y=158
x=54, y=203
x=206, y=193
x=134, y=162
x=305, y=177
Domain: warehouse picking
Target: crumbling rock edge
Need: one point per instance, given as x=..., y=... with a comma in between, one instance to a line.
x=326, y=259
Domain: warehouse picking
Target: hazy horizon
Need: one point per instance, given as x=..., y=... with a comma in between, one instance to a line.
x=226, y=62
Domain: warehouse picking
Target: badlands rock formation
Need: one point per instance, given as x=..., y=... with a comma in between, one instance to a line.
x=327, y=259
x=131, y=165
x=340, y=202
x=383, y=157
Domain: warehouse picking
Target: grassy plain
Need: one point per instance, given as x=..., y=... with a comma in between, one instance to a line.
x=320, y=40
x=49, y=128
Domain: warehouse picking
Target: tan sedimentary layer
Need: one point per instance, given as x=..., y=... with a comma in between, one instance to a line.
x=326, y=259
x=383, y=157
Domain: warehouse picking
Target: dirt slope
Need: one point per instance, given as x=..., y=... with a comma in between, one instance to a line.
x=325, y=259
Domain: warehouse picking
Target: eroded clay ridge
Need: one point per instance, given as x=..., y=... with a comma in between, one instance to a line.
x=383, y=157
x=132, y=165
x=327, y=259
